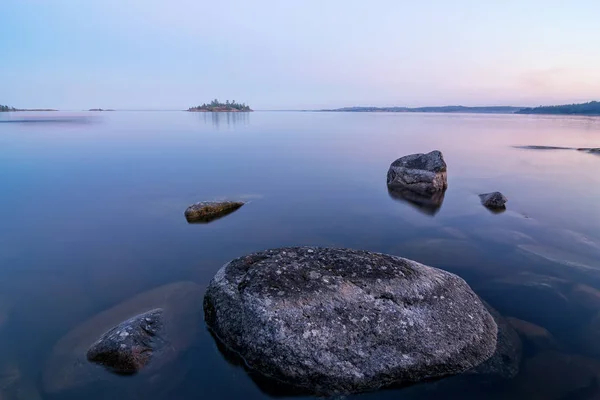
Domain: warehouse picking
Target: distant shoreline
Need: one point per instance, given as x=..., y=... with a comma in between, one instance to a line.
x=442, y=109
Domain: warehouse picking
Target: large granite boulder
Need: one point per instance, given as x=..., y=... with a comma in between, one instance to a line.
x=338, y=321
x=421, y=173
x=128, y=347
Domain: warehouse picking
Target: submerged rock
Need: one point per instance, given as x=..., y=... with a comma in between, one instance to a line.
x=341, y=321
x=128, y=347
x=15, y=386
x=421, y=173
x=494, y=200
x=67, y=366
x=428, y=204
x=587, y=339
x=537, y=335
x=505, y=361
x=553, y=375
x=207, y=211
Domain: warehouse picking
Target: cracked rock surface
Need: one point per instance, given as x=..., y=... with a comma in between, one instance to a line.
x=337, y=321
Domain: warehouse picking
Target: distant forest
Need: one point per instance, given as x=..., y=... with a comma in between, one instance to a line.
x=442, y=109
x=591, y=108
x=6, y=108
x=216, y=105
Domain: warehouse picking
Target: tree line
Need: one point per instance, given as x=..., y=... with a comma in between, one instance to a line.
x=591, y=108
x=229, y=105
x=6, y=108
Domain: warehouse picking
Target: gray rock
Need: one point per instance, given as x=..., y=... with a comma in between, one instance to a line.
x=128, y=347
x=494, y=200
x=421, y=173
x=207, y=211
x=338, y=321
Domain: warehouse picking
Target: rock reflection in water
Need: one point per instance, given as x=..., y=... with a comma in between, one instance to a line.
x=427, y=204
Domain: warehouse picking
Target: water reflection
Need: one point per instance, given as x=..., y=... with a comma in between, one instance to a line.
x=428, y=205
x=229, y=119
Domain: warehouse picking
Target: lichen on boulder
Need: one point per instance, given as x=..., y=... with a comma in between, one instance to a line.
x=336, y=321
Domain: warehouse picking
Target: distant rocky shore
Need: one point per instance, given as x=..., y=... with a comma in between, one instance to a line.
x=13, y=109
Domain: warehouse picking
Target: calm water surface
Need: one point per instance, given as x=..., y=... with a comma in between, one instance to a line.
x=92, y=215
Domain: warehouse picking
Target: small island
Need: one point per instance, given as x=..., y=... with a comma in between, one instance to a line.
x=217, y=106
x=101, y=109
x=6, y=108
x=591, y=108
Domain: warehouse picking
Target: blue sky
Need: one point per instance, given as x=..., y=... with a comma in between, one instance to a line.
x=279, y=54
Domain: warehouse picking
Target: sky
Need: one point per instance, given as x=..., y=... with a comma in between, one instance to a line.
x=308, y=54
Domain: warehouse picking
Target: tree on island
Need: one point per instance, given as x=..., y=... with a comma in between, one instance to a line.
x=6, y=108
x=216, y=105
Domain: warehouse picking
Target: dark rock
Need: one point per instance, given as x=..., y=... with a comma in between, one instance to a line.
x=341, y=321
x=208, y=211
x=494, y=200
x=421, y=173
x=428, y=204
x=67, y=366
x=128, y=347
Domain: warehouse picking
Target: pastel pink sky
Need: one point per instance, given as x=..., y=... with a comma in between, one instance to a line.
x=306, y=54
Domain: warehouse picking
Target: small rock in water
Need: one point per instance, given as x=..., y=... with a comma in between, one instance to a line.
x=335, y=321
x=128, y=347
x=421, y=173
x=67, y=366
x=494, y=200
x=207, y=211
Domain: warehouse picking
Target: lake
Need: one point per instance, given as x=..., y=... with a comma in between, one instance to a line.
x=92, y=215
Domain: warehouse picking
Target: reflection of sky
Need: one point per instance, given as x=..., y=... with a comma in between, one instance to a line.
x=94, y=206
x=281, y=55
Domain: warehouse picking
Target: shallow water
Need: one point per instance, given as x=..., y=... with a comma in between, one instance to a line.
x=92, y=215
